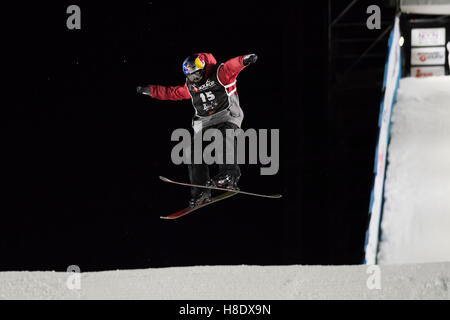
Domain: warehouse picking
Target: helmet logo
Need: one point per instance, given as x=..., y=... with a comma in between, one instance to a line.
x=199, y=63
x=187, y=68
x=193, y=64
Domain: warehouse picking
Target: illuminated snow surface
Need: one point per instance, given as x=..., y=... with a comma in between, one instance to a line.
x=414, y=281
x=416, y=219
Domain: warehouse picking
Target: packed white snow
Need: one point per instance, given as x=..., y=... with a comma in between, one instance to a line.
x=416, y=219
x=421, y=281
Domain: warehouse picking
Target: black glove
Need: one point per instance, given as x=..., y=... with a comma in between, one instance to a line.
x=250, y=58
x=144, y=90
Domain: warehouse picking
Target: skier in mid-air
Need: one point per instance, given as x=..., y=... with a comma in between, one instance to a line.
x=212, y=89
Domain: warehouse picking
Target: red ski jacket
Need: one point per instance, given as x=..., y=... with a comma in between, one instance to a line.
x=227, y=74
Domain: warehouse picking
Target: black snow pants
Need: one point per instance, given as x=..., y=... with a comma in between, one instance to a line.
x=199, y=173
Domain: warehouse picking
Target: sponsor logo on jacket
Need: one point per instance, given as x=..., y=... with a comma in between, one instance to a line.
x=209, y=84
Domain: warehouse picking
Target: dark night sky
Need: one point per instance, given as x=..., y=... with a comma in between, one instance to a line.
x=84, y=151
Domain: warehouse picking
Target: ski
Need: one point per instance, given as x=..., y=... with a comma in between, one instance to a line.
x=273, y=196
x=185, y=211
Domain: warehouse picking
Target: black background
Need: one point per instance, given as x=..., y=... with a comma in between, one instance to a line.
x=83, y=151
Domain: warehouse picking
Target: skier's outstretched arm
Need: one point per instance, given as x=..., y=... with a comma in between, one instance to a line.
x=165, y=93
x=231, y=68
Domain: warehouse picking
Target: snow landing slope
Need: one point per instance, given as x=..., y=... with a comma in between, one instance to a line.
x=416, y=218
x=420, y=281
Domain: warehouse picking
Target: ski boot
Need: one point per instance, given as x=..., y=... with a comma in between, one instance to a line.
x=226, y=181
x=200, y=198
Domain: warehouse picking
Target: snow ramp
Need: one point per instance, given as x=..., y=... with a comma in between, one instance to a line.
x=415, y=225
x=410, y=202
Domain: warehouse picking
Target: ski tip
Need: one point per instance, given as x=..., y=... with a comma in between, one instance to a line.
x=165, y=179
